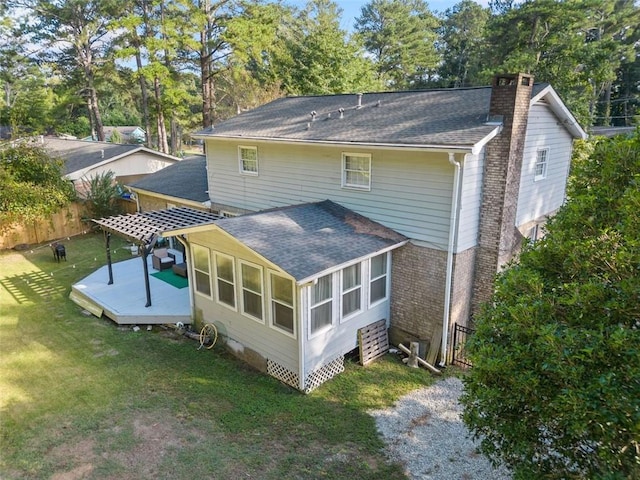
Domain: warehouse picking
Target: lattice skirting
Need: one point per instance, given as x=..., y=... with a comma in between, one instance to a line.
x=313, y=380
x=324, y=373
x=282, y=373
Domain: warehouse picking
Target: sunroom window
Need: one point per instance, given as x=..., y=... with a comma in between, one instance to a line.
x=282, y=303
x=378, y=278
x=321, y=304
x=251, y=290
x=225, y=280
x=202, y=270
x=351, y=290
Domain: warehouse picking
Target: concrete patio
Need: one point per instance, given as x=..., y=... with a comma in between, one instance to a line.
x=124, y=301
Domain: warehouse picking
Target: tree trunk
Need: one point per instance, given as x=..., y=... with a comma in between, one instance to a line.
x=205, y=74
x=143, y=91
x=93, y=96
x=163, y=146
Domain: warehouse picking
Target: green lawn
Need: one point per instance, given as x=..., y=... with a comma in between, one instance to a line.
x=81, y=397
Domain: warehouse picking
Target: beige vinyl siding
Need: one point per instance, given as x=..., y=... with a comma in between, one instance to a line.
x=543, y=197
x=470, y=199
x=261, y=337
x=410, y=191
x=139, y=163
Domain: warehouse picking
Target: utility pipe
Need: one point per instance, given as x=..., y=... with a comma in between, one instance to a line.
x=453, y=229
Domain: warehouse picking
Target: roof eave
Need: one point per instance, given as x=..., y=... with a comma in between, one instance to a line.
x=373, y=145
x=335, y=268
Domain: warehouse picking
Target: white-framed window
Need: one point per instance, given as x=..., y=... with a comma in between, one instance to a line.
x=225, y=280
x=282, y=307
x=356, y=170
x=202, y=270
x=378, y=272
x=542, y=158
x=321, y=304
x=351, y=290
x=251, y=283
x=248, y=160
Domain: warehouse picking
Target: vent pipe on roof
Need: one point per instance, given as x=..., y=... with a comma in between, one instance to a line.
x=359, y=105
x=101, y=153
x=313, y=116
x=378, y=103
x=341, y=110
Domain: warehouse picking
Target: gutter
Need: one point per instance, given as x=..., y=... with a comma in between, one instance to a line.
x=453, y=232
x=417, y=147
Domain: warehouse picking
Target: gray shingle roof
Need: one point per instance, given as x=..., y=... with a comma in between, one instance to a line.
x=307, y=239
x=79, y=154
x=186, y=179
x=452, y=117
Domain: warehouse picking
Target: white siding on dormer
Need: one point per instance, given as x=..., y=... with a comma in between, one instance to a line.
x=470, y=200
x=543, y=197
x=410, y=190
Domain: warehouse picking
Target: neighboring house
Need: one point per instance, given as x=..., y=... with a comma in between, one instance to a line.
x=83, y=160
x=465, y=174
x=128, y=134
x=183, y=184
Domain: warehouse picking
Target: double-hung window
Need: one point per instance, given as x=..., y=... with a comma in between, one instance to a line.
x=542, y=158
x=202, y=270
x=351, y=290
x=248, y=160
x=356, y=171
x=282, y=303
x=321, y=303
x=225, y=280
x=378, y=278
x=251, y=277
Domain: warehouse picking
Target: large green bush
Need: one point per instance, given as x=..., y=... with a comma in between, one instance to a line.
x=32, y=184
x=555, y=387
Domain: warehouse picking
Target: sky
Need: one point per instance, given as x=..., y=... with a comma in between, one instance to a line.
x=352, y=8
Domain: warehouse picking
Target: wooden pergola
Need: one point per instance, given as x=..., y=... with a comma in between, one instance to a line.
x=144, y=229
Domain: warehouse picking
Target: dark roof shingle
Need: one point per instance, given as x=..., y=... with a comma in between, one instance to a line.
x=307, y=239
x=186, y=179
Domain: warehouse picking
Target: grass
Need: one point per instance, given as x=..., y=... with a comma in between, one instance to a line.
x=81, y=397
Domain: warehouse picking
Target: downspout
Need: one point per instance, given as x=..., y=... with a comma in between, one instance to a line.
x=453, y=230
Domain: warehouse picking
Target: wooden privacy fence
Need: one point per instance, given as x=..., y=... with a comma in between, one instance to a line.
x=65, y=223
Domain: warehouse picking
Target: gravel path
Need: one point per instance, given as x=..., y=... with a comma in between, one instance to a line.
x=424, y=431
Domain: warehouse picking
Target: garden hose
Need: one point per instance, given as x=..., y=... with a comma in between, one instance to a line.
x=208, y=332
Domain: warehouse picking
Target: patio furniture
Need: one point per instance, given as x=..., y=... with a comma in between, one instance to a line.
x=180, y=269
x=162, y=259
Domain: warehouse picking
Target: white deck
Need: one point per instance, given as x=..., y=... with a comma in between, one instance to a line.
x=124, y=301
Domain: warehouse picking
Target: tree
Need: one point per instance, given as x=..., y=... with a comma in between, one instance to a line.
x=102, y=194
x=401, y=37
x=555, y=387
x=576, y=46
x=461, y=34
x=32, y=184
x=75, y=36
x=26, y=100
x=318, y=58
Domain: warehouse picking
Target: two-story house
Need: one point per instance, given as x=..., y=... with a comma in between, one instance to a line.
x=354, y=208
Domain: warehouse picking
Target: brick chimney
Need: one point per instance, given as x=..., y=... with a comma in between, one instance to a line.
x=498, y=238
